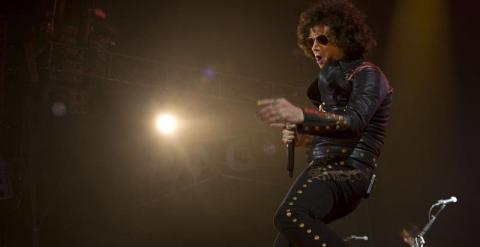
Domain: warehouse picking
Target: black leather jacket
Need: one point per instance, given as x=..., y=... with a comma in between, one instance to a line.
x=353, y=100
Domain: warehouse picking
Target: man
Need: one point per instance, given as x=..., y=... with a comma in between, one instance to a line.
x=408, y=234
x=347, y=127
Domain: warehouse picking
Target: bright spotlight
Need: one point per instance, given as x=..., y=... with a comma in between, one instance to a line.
x=166, y=124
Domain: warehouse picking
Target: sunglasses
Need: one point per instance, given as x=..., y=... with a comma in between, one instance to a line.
x=321, y=39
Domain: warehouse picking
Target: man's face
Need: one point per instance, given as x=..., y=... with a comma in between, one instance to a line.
x=407, y=237
x=323, y=46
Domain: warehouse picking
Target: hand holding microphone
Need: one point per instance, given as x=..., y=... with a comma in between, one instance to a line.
x=281, y=113
x=288, y=134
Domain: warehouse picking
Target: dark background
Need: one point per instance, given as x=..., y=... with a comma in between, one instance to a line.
x=100, y=176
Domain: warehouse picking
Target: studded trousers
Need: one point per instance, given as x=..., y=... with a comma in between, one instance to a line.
x=323, y=193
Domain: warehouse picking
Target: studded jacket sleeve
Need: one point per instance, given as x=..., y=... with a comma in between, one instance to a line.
x=369, y=88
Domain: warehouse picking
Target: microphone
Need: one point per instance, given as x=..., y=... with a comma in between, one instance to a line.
x=448, y=201
x=291, y=157
x=291, y=151
x=355, y=237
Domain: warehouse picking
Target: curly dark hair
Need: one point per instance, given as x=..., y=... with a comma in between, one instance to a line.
x=347, y=25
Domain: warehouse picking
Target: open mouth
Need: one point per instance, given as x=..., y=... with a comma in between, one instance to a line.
x=319, y=59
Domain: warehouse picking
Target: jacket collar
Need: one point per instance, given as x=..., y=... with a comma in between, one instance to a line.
x=347, y=65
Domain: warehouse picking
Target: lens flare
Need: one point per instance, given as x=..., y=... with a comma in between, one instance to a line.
x=166, y=124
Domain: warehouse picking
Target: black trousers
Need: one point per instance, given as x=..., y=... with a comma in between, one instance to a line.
x=324, y=192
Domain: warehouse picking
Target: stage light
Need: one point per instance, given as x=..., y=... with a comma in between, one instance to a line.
x=166, y=124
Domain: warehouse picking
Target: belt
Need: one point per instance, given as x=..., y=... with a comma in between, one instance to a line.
x=365, y=158
x=331, y=151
